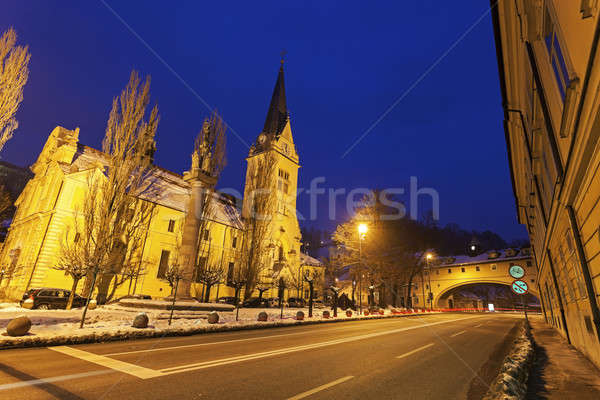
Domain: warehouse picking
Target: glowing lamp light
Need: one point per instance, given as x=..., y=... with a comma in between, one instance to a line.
x=429, y=256
x=362, y=228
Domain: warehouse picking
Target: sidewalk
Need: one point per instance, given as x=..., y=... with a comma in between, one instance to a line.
x=559, y=370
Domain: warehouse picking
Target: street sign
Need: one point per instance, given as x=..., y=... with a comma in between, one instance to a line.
x=516, y=271
x=519, y=287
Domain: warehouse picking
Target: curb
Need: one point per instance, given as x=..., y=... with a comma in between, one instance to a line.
x=511, y=382
x=32, y=341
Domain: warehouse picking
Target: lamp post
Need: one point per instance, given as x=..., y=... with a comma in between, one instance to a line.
x=428, y=257
x=362, y=231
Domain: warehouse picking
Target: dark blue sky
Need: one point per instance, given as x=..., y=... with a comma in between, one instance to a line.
x=346, y=63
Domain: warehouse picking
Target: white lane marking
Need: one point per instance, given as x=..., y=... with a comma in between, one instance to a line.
x=224, y=341
x=320, y=388
x=458, y=333
x=43, y=381
x=247, y=357
x=415, y=350
x=117, y=365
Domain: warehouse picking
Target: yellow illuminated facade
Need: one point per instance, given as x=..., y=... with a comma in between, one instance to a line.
x=549, y=78
x=46, y=210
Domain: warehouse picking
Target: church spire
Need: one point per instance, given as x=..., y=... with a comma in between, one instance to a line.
x=277, y=115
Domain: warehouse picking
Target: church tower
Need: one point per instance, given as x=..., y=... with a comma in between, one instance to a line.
x=276, y=141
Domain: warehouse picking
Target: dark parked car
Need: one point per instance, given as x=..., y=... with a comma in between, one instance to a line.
x=47, y=298
x=255, y=302
x=227, y=300
x=296, y=302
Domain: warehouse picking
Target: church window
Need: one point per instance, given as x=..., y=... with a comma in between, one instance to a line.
x=171, y=227
x=230, y=271
x=206, y=234
x=163, y=264
x=234, y=242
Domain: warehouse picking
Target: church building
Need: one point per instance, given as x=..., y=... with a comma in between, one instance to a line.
x=47, y=208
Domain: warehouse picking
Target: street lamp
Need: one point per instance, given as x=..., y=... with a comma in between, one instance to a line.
x=362, y=232
x=429, y=257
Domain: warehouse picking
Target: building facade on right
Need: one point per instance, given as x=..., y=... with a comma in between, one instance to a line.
x=549, y=67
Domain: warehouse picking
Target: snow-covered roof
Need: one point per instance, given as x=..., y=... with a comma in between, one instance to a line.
x=305, y=259
x=173, y=190
x=487, y=257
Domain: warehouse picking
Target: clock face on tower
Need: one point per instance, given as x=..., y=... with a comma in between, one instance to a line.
x=262, y=138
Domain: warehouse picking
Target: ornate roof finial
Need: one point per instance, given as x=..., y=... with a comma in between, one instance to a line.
x=283, y=53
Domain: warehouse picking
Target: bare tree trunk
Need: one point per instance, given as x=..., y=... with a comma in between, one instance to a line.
x=72, y=295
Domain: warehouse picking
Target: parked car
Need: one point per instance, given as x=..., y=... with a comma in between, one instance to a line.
x=318, y=304
x=296, y=302
x=274, y=302
x=48, y=298
x=255, y=302
x=227, y=300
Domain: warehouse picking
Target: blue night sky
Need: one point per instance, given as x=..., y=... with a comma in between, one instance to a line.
x=346, y=63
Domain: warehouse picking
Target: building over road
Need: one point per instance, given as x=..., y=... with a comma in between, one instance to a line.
x=549, y=67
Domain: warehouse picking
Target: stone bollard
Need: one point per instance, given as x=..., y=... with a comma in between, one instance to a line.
x=213, y=317
x=140, y=321
x=263, y=316
x=300, y=316
x=18, y=326
x=348, y=313
x=92, y=305
x=326, y=314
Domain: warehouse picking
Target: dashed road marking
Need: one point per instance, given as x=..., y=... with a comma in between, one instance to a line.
x=458, y=333
x=320, y=388
x=415, y=350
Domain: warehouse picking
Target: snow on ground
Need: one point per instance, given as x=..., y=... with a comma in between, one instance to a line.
x=113, y=322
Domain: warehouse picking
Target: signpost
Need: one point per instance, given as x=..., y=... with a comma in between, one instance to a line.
x=519, y=286
x=516, y=271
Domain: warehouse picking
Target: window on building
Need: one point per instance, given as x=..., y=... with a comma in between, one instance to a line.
x=230, y=272
x=528, y=263
x=477, y=268
x=556, y=53
x=171, y=227
x=494, y=267
x=77, y=237
x=449, y=271
x=462, y=269
x=200, y=267
x=206, y=234
x=437, y=271
x=163, y=265
x=234, y=242
x=306, y=294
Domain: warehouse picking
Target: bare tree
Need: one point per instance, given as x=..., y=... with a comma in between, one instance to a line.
x=116, y=207
x=255, y=253
x=14, y=72
x=310, y=277
x=75, y=260
x=209, y=274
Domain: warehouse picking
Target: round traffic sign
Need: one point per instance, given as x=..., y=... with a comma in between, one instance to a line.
x=516, y=271
x=519, y=287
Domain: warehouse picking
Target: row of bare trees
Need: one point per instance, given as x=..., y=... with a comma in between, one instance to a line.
x=387, y=260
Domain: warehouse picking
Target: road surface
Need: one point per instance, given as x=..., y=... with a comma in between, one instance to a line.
x=425, y=357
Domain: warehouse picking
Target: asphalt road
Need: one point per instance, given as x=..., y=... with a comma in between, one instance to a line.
x=427, y=357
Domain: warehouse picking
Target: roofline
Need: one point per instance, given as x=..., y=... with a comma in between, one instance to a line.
x=486, y=261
